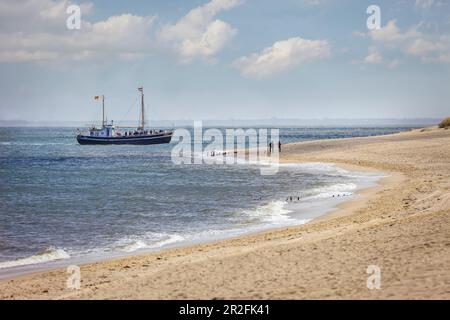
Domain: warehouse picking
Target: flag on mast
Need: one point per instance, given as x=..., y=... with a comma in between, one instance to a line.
x=97, y=98
x=141, y=89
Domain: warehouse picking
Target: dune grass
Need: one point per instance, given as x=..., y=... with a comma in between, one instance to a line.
x=445, y=123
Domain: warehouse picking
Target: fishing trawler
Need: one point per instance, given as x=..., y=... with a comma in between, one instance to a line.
x=111, y=134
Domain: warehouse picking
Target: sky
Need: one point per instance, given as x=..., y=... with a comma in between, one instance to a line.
x=224, y=59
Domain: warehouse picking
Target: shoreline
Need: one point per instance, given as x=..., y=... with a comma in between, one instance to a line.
x=360, y=196
x=401, y=224
x=322, y=212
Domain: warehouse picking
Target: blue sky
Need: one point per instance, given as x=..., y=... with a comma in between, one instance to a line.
x=225, y=59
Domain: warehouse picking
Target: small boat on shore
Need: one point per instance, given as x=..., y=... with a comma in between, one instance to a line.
x=111, y=134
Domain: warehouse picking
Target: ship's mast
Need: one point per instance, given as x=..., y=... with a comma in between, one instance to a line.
x=141, y=89
x=103, y=105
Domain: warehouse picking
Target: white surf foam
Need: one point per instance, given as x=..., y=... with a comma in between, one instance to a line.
x=51, y=254
x=310, y=167
x=149, y=241
x=133, y=246
x=274, y=212
x=315, y=167
x=334, y=190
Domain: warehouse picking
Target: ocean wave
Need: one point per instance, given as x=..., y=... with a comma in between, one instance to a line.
x=231, y=158
x=274, y=212
x=337, y=189
x=132, y=246
x=315, y=167
x=51, y=254
x=148, y=241
x=39, y=144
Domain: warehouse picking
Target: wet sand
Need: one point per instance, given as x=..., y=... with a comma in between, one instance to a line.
x=402, y=226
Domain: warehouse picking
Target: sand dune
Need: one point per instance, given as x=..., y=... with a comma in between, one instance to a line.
x=402, y=226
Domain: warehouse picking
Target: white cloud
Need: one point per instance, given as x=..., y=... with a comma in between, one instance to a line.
x=421, y=47
x=374, y=57
x=22, y=55
x=36, y=31
x=412, y=42
x=427, y=4
x=282, y=56
x=312, y=2
x=199, y=34
x=36, y=15
x=391, y=33
x=394, y=64
x=424, y=3
x=442, y=58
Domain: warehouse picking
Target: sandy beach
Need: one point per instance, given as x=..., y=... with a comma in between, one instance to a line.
x=402, y=226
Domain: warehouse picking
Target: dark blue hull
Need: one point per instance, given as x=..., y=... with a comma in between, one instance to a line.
x=136, y=140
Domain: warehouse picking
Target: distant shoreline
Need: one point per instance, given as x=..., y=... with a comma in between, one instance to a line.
x=412, y=122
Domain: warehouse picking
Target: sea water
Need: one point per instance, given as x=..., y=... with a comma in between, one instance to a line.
x=60, y=201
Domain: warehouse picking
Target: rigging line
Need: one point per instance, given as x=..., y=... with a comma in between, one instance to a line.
x=126, y=114
x=147, y=108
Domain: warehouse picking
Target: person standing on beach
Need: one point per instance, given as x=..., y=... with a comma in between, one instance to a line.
x=279, y=146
